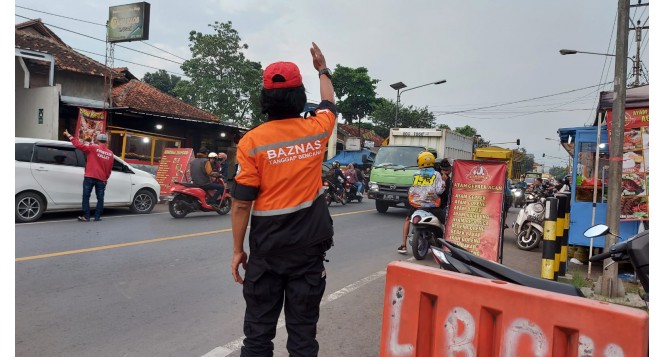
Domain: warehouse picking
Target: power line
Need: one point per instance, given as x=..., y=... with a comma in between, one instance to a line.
x=98, y=24
x=66, y=17
x=518, y=101
x=604, y=66
x=94, y=38
x=138, y=64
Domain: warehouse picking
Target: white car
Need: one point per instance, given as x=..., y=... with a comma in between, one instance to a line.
x=49, y=177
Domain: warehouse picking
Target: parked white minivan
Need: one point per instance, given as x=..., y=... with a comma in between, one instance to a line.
x=49, y=177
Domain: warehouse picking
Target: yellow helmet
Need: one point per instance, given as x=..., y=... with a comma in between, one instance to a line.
x=425, y=159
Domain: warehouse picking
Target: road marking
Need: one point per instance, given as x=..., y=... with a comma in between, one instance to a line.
x=113, y=246
x=74, y=219
x=227, y=349
x=156, y=240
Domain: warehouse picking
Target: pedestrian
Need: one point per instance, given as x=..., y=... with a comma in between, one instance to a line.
x=291, y=228
x=446, y=174
x=98, y=166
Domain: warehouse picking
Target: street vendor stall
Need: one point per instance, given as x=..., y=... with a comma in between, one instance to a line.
x=591, y=164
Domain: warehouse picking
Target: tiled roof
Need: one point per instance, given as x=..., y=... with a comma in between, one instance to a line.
x=66, y=59
x=366, y=134
x=142, y=97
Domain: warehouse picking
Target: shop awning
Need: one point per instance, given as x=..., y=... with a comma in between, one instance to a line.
x=81, y=102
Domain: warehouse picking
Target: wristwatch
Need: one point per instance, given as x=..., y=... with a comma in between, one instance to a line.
x=325, y=71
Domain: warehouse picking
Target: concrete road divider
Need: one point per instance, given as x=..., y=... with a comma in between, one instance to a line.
x=431, y=312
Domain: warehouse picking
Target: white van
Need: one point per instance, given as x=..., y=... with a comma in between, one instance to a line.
x=49, y=177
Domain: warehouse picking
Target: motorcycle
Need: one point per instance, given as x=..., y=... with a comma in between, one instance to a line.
x=458, y=260
x=189, y=197
x=425, y=228
x=351, y=191
x=529, y=225
x=519, y=197
x=635, y=250
x=334, y=193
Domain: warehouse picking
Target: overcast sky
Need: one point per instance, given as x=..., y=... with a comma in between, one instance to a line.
x=490, y=52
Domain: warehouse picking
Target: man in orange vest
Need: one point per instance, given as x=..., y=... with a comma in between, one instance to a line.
x=278, y=171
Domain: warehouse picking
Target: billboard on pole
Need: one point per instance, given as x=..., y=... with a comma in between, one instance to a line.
x=129, y=22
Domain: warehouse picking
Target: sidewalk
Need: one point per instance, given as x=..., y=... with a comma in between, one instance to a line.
x=530, y=262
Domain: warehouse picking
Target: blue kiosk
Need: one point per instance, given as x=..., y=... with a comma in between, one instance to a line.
x=581, y=143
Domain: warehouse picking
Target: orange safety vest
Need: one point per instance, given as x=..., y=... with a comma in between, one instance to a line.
x=279, y=168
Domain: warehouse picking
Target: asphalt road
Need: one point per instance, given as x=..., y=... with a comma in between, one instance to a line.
x=151, y=285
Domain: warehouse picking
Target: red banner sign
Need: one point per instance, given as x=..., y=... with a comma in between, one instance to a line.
x=635, y=168
x=474, y=220
x=173, y=166
x=90, y=123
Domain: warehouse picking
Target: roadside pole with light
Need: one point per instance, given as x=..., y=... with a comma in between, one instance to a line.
x=399, y=86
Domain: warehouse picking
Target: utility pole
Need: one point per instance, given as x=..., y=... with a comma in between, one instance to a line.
x=637, y=60
x=609, y=285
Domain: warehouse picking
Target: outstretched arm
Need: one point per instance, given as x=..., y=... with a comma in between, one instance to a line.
x=326, y=89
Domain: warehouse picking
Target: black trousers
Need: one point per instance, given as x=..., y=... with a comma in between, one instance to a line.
x=295, y=282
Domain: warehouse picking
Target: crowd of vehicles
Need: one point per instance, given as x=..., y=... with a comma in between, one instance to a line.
x=394, y=164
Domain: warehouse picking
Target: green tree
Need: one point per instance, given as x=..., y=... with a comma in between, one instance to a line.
x=163, y=81
x=466, y=130
x=443, y=126
x=384, y=110
x=523, y=162
x=355, y=91
x=223, y=81
x=558, y=171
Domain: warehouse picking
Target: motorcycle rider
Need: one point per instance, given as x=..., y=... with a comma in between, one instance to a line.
x=336, y=174
x=424, y=194
x=522, y=184
x=353, y=180
x=203, y=175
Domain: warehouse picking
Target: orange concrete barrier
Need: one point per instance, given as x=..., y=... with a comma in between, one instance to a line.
x=429, y=312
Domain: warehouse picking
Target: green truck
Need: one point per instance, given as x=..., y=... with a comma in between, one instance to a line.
x=395, y=163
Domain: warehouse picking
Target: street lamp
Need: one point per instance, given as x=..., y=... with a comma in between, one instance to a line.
x=636, y=70
x=399, y=86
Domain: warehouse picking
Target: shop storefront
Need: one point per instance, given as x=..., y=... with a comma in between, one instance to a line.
x=591, y=150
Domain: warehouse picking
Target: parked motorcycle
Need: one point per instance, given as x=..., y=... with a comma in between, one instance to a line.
x=459, y=260
x=351, y=191
x=529, y=225
x=334, y=193
x=425, y=228
x=519, y=197
x=635, y=250
x=188, y=198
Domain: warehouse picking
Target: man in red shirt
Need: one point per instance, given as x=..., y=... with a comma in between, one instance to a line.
x=99, y=162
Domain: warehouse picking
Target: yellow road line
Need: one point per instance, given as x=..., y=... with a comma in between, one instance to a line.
x=113, y=246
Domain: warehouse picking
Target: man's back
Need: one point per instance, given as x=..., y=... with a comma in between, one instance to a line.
x=197, y=171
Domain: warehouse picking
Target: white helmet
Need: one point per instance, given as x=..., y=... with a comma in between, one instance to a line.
x=212, y=155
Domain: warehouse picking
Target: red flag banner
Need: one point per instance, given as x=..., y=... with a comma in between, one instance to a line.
x=476, y=203
x=90, y=123
x=173, y=167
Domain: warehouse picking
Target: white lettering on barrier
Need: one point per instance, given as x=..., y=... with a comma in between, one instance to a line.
x=464, y=343
x=395, y=317
x=520, y=327
x=460, y=343
x=586, y=346
x=613, y=350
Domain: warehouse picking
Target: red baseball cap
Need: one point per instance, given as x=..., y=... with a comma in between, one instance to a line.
x=282, y=75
